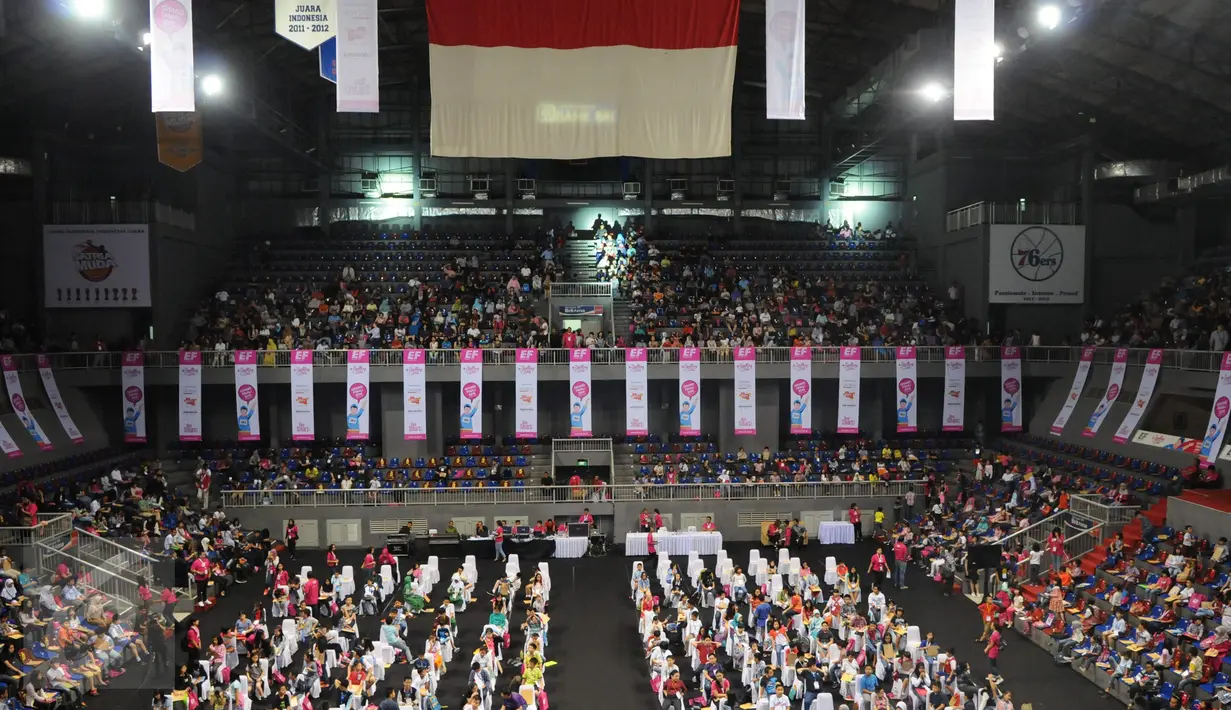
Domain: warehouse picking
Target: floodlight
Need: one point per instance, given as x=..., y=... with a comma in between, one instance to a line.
x=1049, y=17
x=211, y=85
x=89, y=9
x=145, y=39
x=933, y=92
x=998, y=52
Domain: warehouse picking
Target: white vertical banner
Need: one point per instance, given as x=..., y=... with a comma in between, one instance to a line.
x=303, y=397
x=580, y=418
x=1011, y=388
x=190, y=395
x=908, y=384
x=132, y=382
x=745, y=386
x=247, y=407
x=636, y=387
x=414, y=395
x=801, y=390
x=1079, y=384
x=954, y=413
x=690, y=391
x=12, y=382
x=358, y=382
x=1145, y=391
x=1115, y=383
x=307, y=23
x=784, y=59
x=974, y=60
x=7, y=445
x=1211, y=444
x=358, y=60
x=57, y=400
x=850, y=362
x=172, y=78
x=526, y=384
x=470, y=422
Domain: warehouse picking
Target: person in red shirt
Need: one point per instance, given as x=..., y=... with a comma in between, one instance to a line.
x=539, y=529
x=369, y=563
x=856, y=519
x=878, y=567
x=498, y=537
x=200, y=571
x=1055, y=545
x=643, y=520
x=311, y=591
x=586, y=517
x=658, y=520
x=993, y=650
x=901, y=558
x=331, y=557
x=193, y=643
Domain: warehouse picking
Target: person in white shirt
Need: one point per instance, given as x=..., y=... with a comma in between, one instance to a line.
x=876, y=605
x=779, y=700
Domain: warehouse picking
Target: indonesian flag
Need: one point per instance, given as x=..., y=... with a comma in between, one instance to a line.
x=572, y=79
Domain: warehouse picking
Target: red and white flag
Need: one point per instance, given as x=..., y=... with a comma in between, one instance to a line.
x=571, y=79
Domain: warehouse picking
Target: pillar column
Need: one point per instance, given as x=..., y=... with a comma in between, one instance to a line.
x=647, y=193
x=416, y=156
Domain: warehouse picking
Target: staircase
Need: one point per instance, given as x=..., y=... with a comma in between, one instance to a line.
x=621, y=314
x=579, y=261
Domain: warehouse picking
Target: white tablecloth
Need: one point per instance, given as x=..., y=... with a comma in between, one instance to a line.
x=571, y=547
x=680, y=543
x=836, y=533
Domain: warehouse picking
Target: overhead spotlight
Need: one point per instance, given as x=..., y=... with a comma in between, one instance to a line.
x=933, y=92
x=145, y=39
x=1049, y=17
x=89, y=9
x=998, y=52
x=211, y=85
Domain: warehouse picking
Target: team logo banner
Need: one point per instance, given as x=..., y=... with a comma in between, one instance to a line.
x=1115, y=383
x=180, y=143
x=471, y=422
x=955, y=389
x=801, y=390
x=307, y=23
x=908, y=381
x=13, y=382
x=57, y=401
x=173, y=84
x=1036, y=264
x=1149, y=378
x=358, y=422
x=1079, y=384
x=132, y=382
x=580, y=420
x=190, y=395
x=303, y=397
x=690, y=391
x=247, y=414
x=96, y=265
x=1011, y=388
x=636, y=385
x=1212, y=442
x=527, y=386
x=849, y=364
x=745, y=391
x=414, y=395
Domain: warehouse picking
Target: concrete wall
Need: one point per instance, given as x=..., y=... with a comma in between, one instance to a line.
x=84, y=414
x=1208, y=522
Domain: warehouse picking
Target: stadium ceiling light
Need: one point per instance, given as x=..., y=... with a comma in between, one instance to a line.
x=145, y=39
x=1049, y=16
x=90, y=9
x=933, y=92
x=211, y=85
x=998, y=52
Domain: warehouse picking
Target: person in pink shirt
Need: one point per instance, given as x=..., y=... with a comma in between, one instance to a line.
x=856, y=519
x=878, y=567
x=200, y=571
x=387, y=558
x=586, y=517
x=311, y=591
x=901, y=557
x=369, y=563
x=331, y=557
x=708, y=525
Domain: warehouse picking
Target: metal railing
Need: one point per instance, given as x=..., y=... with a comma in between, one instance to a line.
x=583, y=289
x=1110, y=516
x=1035, y=534
x=562, y=494
x=121, y=590
x=1012, y=213
x=113, y=556
x=50, y=525
x=1081, y=543
x=564, y=445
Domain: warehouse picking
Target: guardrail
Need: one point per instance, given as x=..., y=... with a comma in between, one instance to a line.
x=581, y=289
x=50, y=525
x=114, y=557
x=563, y=494
x=1112, y=516
x=121, y=590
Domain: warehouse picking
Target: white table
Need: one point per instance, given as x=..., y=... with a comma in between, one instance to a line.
x=678, y=543
x=570, y=547
x=836, y=533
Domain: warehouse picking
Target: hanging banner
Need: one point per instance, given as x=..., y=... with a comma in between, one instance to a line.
x=190, y=395
x=974, y=60
x=306, y=23
x=303, y=397
x=414, y=395
x=471, y=423
x=1079, y=384
x=784, y=59
x=1212, y=443
x=7, y=445
x=527, y=386
x=908, y=381
x=172, y=78
x=358, y=372
x=56, y=400
x=1011, y=388
x=358, y=63
x=955, y=389
x=801, y=390
x=96, y=266
x=1115, y=383
x=1149, y=378
x=16, y=398
x=327, y=55
x=580, y=419
x=690, y=391
x=745, y=382
x=849, y=365
x=180, y=143
x=132, y=382
x=247, y=410
x=636, y=387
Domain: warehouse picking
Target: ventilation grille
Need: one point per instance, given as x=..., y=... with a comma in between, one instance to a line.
x=754, y=520
x=390, y=526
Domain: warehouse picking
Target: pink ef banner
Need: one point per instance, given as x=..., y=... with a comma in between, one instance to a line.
x=190, y=395
x=470, y=416
x=132, y=386
x=1115, y=383
x=526, y=385
x=358, y=382
x=1011, y=388
x=18, y=399
x=414, y=395
x=690, y=391
x=850, y=362
x=636, y=384
x=57, y=400
x=801, y=391
x=745, y=386
x=581, y=419
x=908, y=383
x=247, y=408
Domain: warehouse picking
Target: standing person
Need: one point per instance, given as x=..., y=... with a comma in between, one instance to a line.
x=200, y=571
x=192, y=643
x=204, y=481
x=901, y=557
x=856, y=519
x=1055, y=545
x=292, y=537
x=908, y=504
x=878, y=567
x=498, y=537
x=993, y=651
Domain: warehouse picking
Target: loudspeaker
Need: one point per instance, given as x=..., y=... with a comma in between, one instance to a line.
x=983, y=556
x=578, y=529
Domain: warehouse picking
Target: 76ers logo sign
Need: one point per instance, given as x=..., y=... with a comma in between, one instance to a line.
x=1036, y=253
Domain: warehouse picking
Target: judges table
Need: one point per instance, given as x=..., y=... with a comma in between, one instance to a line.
x=677, y=543
x=484, y=548
x=836, y=533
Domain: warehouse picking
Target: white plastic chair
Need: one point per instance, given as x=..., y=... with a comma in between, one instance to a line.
x=831, y=571
x=303, y=572
x=515, y=562
x=386, y=581
x=753, y=556
x=433, y=565
x=348, y=580
x=471, y=568
x=913, y=639
x=783, y=555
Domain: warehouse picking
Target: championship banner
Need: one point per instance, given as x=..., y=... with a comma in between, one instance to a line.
x=849, y=365
x=173, y=84
x=13, y=383
x=1011, y=388
x=785, y=40
x=801, y=390
x=96, y=266
x=180, y=143
x=414, y=395
x=358, y=373
x=580, y=419
x=132, y=382
x=1115, y=383
x=57, y=401
x=527, y=386
x=1079, y=384
x=190, y=395
x=636, y=386
x=357, y=60
x=955, y=389
x=471, y=422
x=303, y=397
x=974, y=60
x=307, y=23
x=745, y=382
x=1211, y=444
x=7, y=445
x=690, y=391
x=247, y=410
x=1145, y=391
x=908, y=380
